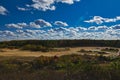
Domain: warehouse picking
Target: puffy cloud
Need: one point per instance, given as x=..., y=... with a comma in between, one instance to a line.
x=98, y=28
x=3, y=10
x=48, y=4
x=7, y=33
x=33, y=25
x=18, y=25
x=92, y=32
x=96, y=19
x=67, y=1
x=102, y=28
x=107, y=20
x=42, y=23
x=81, y=28
x=22, y=9
x=36, y=24
x=118, y=18
x=73, y=33
x=24, y=33
x=73, y=29
x=63, y=33
x=39, y=23
x=62, y=29
x=100, y=20
x=32, y=32
x=115, y=26
x=43, y=5
x=60, y=23
x=29, y=34
x=92, y=28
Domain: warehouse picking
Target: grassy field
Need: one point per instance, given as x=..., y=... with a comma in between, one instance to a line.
x=59, y=52
x=26, y=60
x=67, y=67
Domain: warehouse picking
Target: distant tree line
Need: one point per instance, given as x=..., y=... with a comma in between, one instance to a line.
x=60, y=43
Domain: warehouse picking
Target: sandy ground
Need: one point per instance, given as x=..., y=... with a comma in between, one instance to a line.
x=20, y=53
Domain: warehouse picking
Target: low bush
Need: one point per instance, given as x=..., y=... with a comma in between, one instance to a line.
x=110, y=49
x=35, y=48
x=67, y=67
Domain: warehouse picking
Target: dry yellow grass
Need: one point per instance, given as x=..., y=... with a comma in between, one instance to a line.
x=21, y=53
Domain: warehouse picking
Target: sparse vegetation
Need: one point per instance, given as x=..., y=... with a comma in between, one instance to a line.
x=71, y=67
x=35, y=48
x=102, y=52
x=82, y=50
x=66, y=67
x=110, y=49
x=85, y=51
x=2, y=50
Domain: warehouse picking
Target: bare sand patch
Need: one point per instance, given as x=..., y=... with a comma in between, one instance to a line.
x=22, y=53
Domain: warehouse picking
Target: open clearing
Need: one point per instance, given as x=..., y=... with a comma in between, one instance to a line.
x=74, y=50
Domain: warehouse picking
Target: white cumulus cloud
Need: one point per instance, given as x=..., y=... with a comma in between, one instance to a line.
x=39, y=23
x=100, y=32
x=67, y=1
x=48, y=4
x=3, y=10
x=100, y=20
x=60, y=23
x=18, y=25
x=22, y=9
x=115, y=26
x=42, y=23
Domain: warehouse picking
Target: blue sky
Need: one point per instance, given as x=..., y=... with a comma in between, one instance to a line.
x=59, y=19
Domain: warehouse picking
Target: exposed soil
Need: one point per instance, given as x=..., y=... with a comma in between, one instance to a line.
x=75, y=50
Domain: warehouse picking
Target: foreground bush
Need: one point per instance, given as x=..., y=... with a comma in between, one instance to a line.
x=72, y=67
